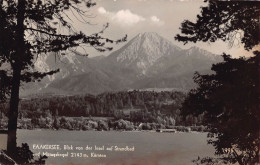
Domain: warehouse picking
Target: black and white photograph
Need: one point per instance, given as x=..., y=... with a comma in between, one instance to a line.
x=129, y=82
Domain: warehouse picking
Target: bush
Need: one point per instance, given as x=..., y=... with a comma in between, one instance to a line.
x=102, y=125
x=93, y=124
x=130, y=128
x=182, y=128
x=85, y=127
x=146, y=126
x=199, y=128
x=24, y=156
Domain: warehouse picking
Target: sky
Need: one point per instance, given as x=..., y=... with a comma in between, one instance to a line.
x=164, y=17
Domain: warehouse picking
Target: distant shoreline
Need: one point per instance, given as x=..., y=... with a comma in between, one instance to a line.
x=94, y=130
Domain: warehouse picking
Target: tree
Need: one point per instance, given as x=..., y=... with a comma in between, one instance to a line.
x=229, y=98
x=30, y=28
x=227, y=21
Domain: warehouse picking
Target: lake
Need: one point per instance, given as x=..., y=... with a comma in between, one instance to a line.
x=150, y=148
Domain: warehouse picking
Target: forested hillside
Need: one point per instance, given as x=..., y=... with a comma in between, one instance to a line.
x=106, y=104
x=134, y=106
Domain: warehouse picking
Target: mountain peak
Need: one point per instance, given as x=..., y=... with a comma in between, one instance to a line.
x=148, y=34
x=143, y=50
x=149, y=37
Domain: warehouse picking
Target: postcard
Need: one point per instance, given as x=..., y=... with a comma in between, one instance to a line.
x=129, y=82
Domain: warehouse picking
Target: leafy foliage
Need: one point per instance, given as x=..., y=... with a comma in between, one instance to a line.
x=24, y=157
x=30, y=28
x=228, y=21
x=42, y=24
x=229, y=100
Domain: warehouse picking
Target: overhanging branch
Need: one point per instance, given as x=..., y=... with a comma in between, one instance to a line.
x=51, y=34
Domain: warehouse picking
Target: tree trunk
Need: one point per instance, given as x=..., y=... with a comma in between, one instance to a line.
x=17, y=67
x=1, y=16
x=258, y=64
x=13, y=113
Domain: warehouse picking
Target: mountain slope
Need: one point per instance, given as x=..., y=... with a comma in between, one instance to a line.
x=142, y=52
x=146, y=61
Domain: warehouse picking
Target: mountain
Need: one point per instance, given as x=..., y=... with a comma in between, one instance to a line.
x=142, y=52
x=177, y=70
x=70, y=65
x=146, y=61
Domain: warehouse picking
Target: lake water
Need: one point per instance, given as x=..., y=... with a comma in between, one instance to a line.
x=151, y=148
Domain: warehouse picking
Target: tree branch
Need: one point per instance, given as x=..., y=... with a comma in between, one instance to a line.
x=237, y=157
x=51, y=34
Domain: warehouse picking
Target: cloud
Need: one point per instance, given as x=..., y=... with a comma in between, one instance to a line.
x=156, y=20
x=102, y=10
x=127, y=17
x=122, y=17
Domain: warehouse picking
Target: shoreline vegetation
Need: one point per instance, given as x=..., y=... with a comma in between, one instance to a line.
x=144, y=127
x=71, y=124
